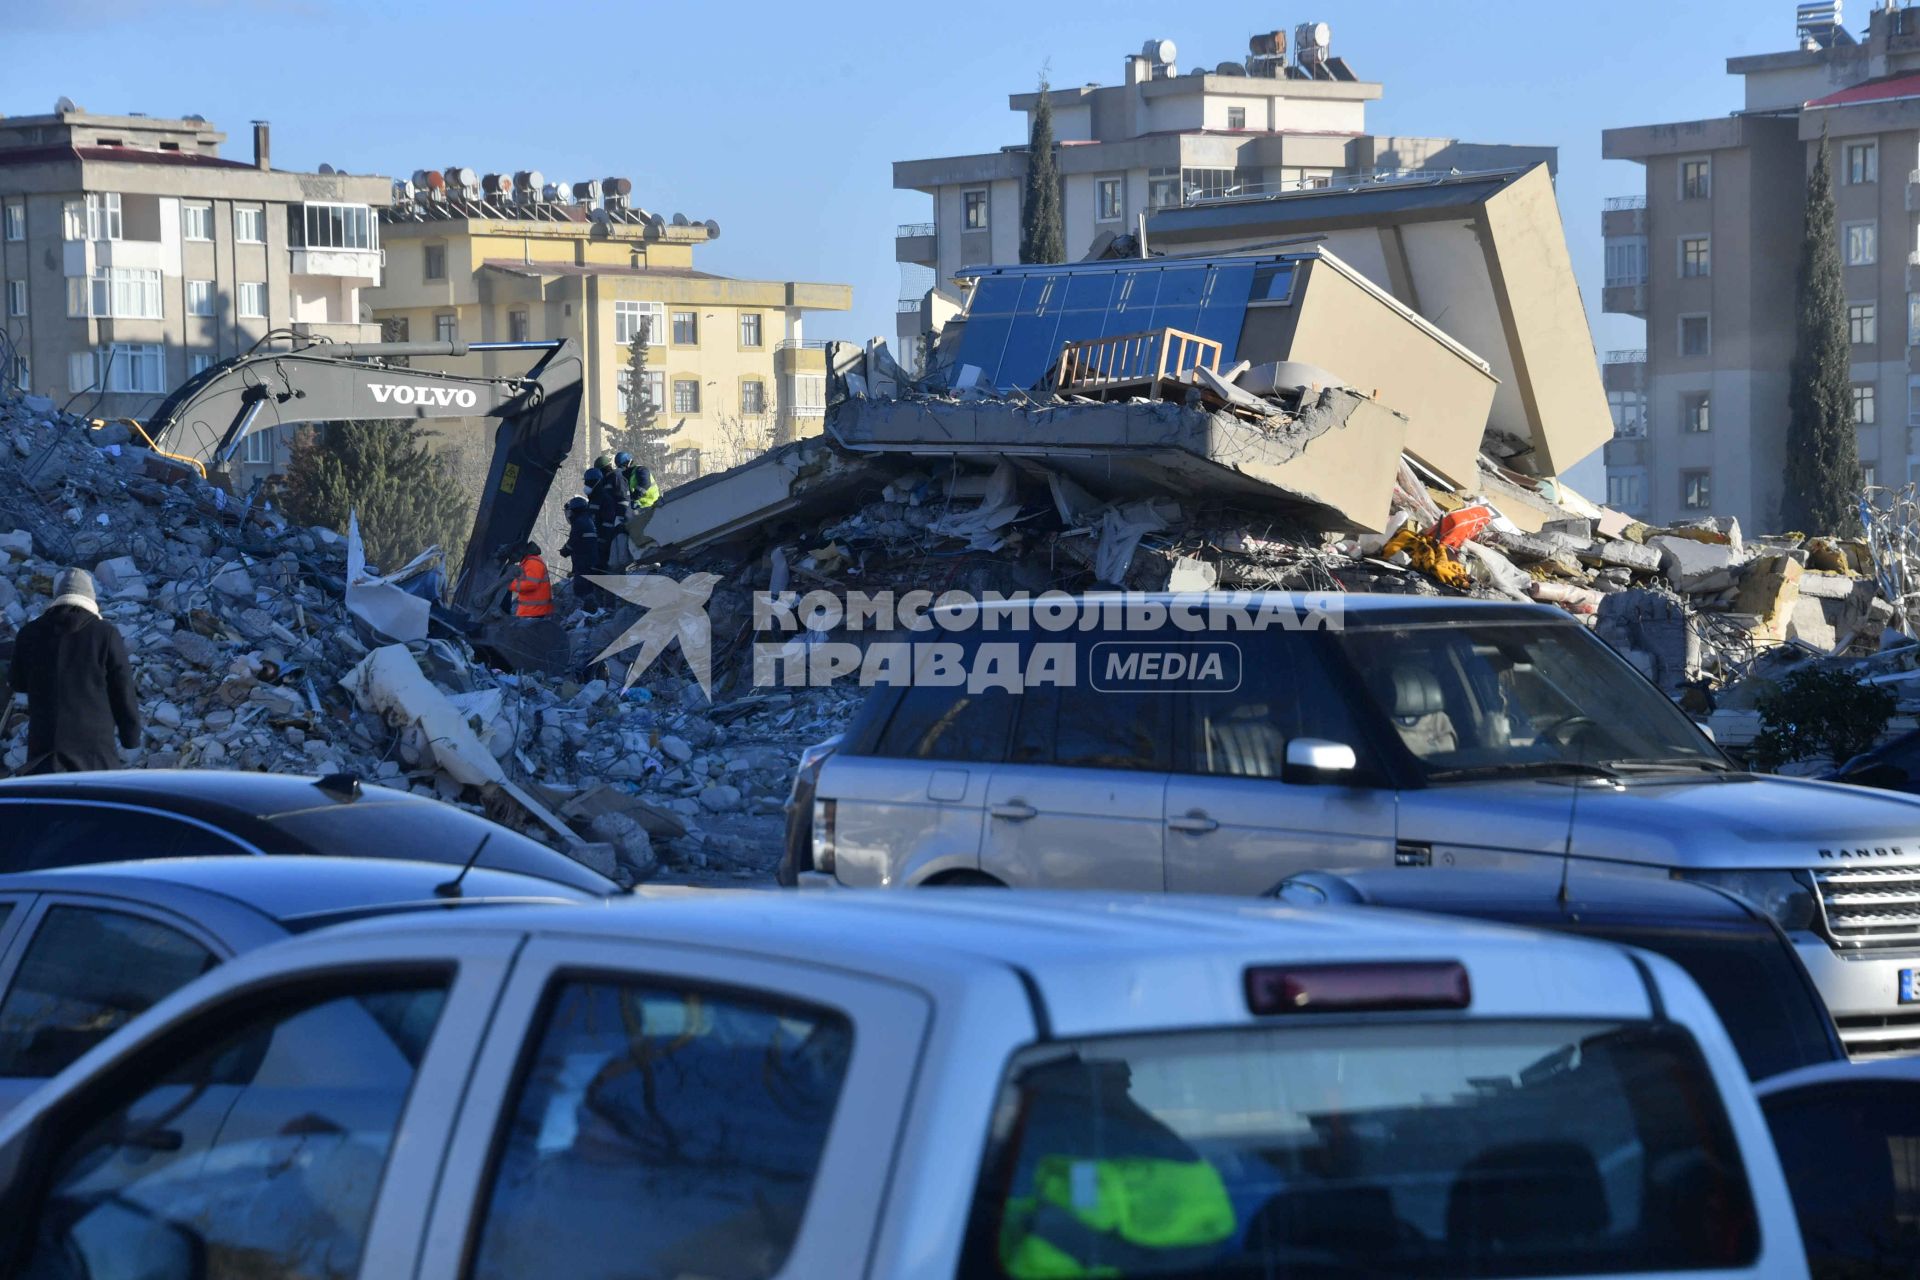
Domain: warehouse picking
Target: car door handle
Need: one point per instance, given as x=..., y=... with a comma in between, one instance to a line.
x=1194, y=822
x=1014, y=811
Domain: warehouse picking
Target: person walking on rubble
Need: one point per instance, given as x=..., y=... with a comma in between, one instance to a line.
x=642, y=492
x=582, y=552
x=72, y=665
x=532, y=588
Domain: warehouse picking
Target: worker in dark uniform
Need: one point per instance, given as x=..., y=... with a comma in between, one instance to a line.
x=642, y=489
x=582, y=551
x=608, y=493
x=72, y=665
x=532, y=588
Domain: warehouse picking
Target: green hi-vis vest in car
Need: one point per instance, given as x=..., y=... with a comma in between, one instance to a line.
x=1115, y=1217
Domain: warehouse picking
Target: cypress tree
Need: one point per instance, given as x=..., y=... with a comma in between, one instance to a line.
x=641, y=432
x=1041, y=237
x=406, y=496
x=1823, y=466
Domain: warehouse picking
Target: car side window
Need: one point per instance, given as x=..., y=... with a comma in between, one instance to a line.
x=256, y=1152
x=661, y=1131
x=1851, y=1154
x=1286, y=691
x=945, y=723
x=1083, y=727
x=68, y=835
x=86, y=972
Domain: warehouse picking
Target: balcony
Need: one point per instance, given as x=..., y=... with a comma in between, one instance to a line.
x=914, y=242
x=365, y=265
x=1913, y=191
x=1624, y=216
x=1626, y=451
x=800, y=355
x=1625, y=297
x=1624, y=370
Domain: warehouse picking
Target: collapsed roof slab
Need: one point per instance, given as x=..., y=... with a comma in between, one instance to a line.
x=1482, y=255
x=1334, y=464
x=792, y=480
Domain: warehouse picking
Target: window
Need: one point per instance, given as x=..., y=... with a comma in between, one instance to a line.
x=1695, y=409
x=198, y=364
x=702, y=1114
x=1860, y=242
x=1694, y=256
x=446, y=328
x=1862, y=163
x=1696, y=336
x=1236, y=117
x=252, y=296
x=1863, y=327
x=686, y=395
x=249, y=224
x=1110, y=204
x=686, y=328
x=1865, y=411
x=1913, y=401
x=1482, y=1148
x=196, y=221
x=1287, y=694
x=1626, y=260
x=973, y=210
x=1163, y=189
x=1696, y=490
x=753, y=398
x=103, y=215
x=434, y=258
x=750, y=329
x=1865, y=1221
x=1869, y=477
x=1629, y=409
x=1913, y=321
x=16, y=297
x=518, y=326
x=123, y=293
x=1627, y=490
x=337, y=226
x=1207, y=184
x=258, y=1151
x=809, y=398
x=199, y=297
x=652, y=385
x=85, y=974
x=22, y=373
x=14, y=213
x=1086, y=728
x=630, y=317
x=1696, y=179
x=123, y=366
x=257, y=446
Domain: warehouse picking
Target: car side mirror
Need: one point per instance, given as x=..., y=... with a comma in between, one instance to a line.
x=1318, y=760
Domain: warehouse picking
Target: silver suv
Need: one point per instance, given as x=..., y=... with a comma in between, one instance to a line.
x=1386, y=731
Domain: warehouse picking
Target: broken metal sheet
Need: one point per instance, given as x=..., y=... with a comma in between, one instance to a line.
x=1121, y=529
x=999, y=507
x=379, y=601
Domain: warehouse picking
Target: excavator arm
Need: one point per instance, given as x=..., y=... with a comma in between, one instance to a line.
x=208, y=416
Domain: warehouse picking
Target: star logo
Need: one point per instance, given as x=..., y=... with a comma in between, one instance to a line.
x=674, y=609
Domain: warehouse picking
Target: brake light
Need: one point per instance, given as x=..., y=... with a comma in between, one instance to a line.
x=799, y=843
x=1354, y=988
x=824, y=812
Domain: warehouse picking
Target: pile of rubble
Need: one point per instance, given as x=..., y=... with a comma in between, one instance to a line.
x=247, y=656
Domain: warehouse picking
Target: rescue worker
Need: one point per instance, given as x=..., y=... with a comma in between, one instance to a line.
x=72, y=665
x=582, y=551
x=532, y=588
x=608, y=493
x=642, y=489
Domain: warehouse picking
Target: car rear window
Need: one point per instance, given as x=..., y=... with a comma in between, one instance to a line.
x=436, y=833
x=1450, y=1149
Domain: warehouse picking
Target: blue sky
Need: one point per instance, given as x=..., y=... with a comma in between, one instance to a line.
x=781, y=120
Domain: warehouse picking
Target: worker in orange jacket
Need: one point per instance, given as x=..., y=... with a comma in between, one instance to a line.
x=532, y=588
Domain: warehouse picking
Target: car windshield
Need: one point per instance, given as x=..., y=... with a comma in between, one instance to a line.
x=1481, y=699
x=1482, y=1148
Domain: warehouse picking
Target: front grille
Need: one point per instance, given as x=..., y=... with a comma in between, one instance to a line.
x=1870, y=906
x=1875, y=1035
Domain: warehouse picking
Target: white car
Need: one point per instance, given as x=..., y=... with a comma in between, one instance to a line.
x=970, y=1084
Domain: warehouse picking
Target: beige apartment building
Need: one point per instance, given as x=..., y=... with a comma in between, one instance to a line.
x=133, y=255
x=513, y=258
x=1707, y=257
x=1290, y=115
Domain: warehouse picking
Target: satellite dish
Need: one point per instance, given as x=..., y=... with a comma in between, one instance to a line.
x=403, y=189
x=196, y=117
x=680, y=220
x=656, y=224
x=64, y=104
x=1230, y=69
x=326, y=168
x=713, y=229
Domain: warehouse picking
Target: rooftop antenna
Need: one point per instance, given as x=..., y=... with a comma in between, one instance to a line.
x=451, y=888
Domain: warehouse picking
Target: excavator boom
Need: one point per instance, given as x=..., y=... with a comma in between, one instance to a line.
x=538, y=411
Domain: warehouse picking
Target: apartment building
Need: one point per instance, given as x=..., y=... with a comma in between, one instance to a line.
x=133, y=255
x=499, y=258
x=1290, y=115
x=1706, y=255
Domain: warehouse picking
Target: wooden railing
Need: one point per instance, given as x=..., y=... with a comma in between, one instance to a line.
x=1135, y=358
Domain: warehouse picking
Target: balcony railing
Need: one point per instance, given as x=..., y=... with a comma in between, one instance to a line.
x=907, y=229
x=802, y=344
x=1638, y=356
x=1134, y=359
x=1615, y=204
x=905, y=305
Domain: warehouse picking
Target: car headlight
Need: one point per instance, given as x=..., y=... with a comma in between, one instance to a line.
x=1784, y=896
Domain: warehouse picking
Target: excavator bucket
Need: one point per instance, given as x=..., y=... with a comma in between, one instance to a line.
x=529, y=449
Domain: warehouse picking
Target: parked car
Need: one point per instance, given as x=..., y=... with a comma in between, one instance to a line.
x=1894, y=765
x=981, y=1085
x=1849, y=1139
x=83, y=950
x=1741, y=959
x=1403, y=732
x=73, y=818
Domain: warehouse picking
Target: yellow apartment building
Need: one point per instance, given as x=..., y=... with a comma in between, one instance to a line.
x=511, y=259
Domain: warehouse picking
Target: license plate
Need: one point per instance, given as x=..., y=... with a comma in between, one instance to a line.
x=1910, y=986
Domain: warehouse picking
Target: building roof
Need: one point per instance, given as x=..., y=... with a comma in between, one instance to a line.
x=1382, y=201
x=116, y=155
x=531, y=270
x=1883, y=89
